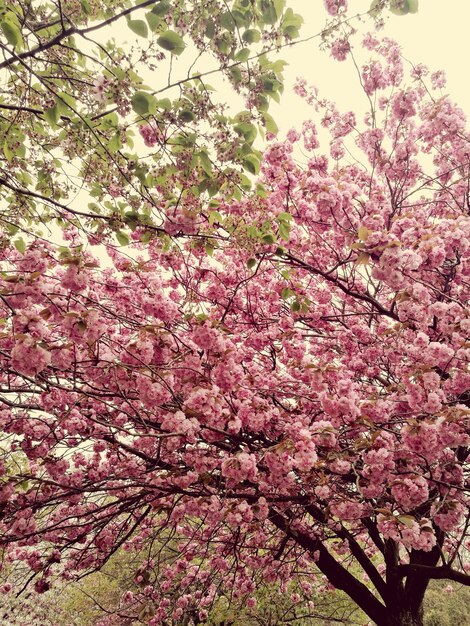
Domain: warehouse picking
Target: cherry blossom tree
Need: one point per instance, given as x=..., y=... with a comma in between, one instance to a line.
x=281, y=394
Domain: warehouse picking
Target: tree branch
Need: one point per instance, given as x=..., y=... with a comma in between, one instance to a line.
x=429, y=572
x=73, y=30
x=365, y=297
x=334, y=571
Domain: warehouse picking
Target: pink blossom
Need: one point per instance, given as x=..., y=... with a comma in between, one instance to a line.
x=151, y=134
x=29, y=357
x=335, y=6
x=340, y=49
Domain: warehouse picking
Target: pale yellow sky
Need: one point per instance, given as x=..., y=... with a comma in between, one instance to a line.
x=437, y=36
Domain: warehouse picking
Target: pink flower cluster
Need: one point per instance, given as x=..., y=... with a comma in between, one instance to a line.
x=151, y=134
x=408, y=532
x=335, y=6
x=29, y=357
x=240, y=468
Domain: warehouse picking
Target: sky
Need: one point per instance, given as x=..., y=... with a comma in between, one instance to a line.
x=437, y=36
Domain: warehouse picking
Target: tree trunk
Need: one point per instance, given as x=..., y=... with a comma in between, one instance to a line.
x=404, y=617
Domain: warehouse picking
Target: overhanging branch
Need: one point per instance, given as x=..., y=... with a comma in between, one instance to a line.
x=334, y=571
x=438, y=572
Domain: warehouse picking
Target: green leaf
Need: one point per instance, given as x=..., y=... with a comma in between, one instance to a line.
x=251, y=36
x=245, y=182
x=8, y=152
x=270, y=15
x=242, y=18
x=295, y=306
x=12, y=31
x=25, y=178
x=224, y=43
x=243, y=55
x=291, y=32
x=146, y=236
x=260, y=190
x=215, y=216
x=65, y=103
x=247, y=130
x=291, y=19
x=251, y=263
x=86, y=8
x=227, y=21
x=119, y=73
x=278, y=66
x=402, y=7
x=236, y=74
x=270, y=124
x=144, y=103
x=153, y=21
x=213, y=188
x=122, y=238
x=131, y=220
x=269, y=238
x=374, y=9
x=284, y=230
x=115, y=143
x=286, y=293
x=251, y=163
x=169, y=40
x=263, y=103
x=139, y=27
x=210, y=29
x=20, y=245
x=407, y=520
x=109, y=121
x=164, y=103
x=141, y=173
x=52, y=116
x=186, y=116
x=205, y=162
x=161, y=8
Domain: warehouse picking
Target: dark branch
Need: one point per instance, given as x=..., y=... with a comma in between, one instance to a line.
x=334, y=571
x=429, y=572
